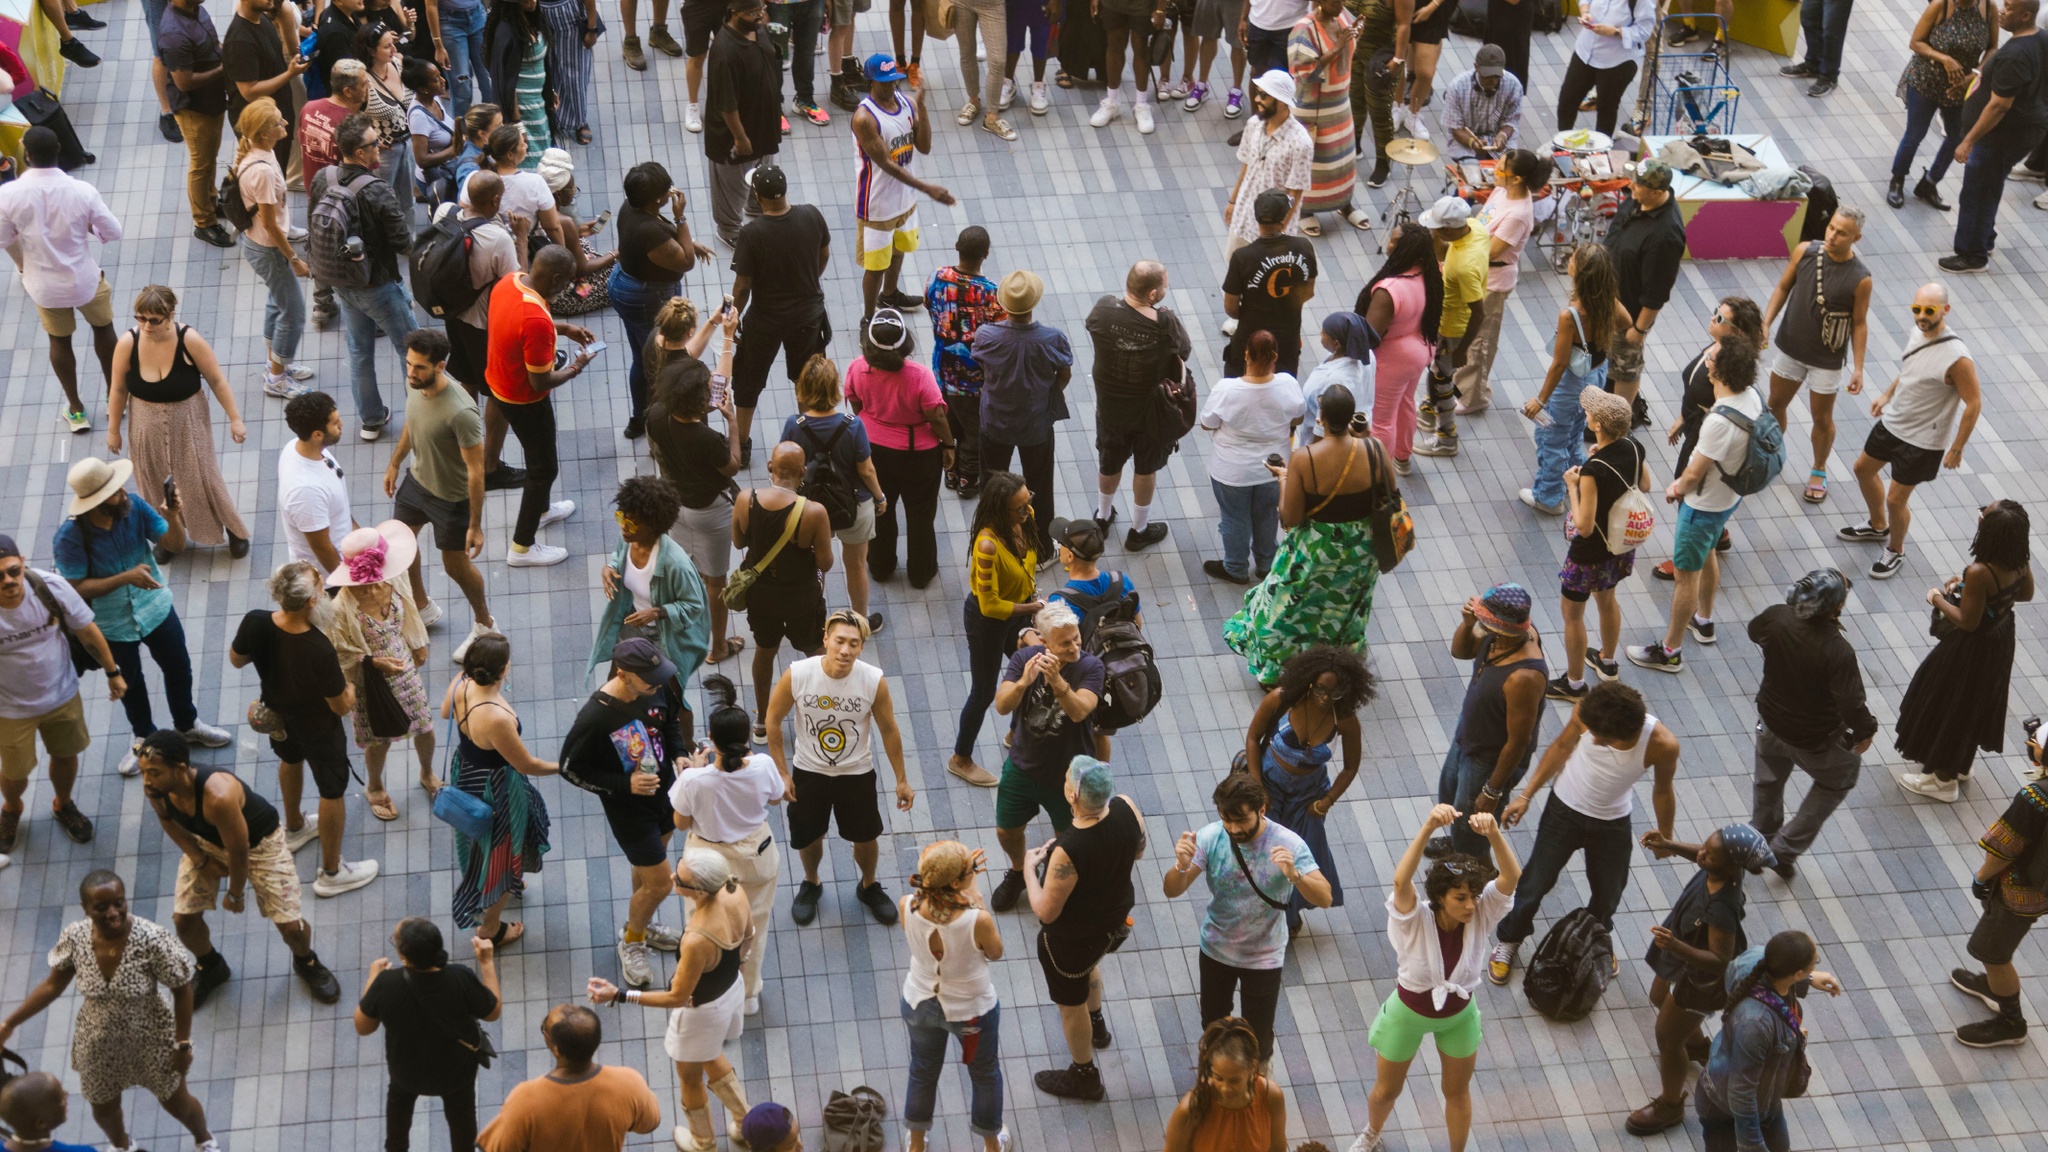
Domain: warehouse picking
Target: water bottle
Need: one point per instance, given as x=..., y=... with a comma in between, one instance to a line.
x=648, y=765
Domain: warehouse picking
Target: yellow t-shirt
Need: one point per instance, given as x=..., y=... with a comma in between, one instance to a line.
x=1464, y=278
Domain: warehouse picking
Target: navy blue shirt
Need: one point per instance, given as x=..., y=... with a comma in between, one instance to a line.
x=848, y=454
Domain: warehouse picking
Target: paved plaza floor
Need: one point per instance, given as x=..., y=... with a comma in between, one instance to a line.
x=1884, y=891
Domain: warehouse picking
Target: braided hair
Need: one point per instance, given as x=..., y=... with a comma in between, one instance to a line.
x=1231, y=1036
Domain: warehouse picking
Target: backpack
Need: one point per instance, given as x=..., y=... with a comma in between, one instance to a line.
x=1632, y=517
x=1550, y=15
x=332, y=224
x=1571, y=968
x=853, y=1121
x=1821, y=203
x=1131, y=687
x=229, y=205
x=440, y=266
x=823, y=482
x=1764, y=458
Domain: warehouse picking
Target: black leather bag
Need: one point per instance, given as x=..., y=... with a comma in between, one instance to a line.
x=41, y=108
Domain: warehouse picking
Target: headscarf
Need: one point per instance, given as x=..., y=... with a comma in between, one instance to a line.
x=1352, y=334
x=557, y=168
x=1747, y=848
x=1505, y=609
x=1819, y=593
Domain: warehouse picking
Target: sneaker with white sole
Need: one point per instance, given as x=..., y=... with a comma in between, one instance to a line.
x=1528, y=496
x=1198, y=94
x=538, y=556
x=1401, y=117
x=1233, y=104
x=752, y=1006
x=1503, y=962
x=282, y=386
x=1417, y=128
x=1008, y=96
x=298, y=371
x=636, y=969
x=1700, y=630
x=1887, y=565
x=131, y=764
x=557, y=512
x=661, y=937
x=1040, y=102
x=1655, y=657
x=1863, y=533
x=1172, y=91
x=1106, y=111
x=1931, y=786
x=347, y=878
x=430, y=614
x=76, y=421
x=307, y=833
x=475, y=630
x=207, y=735
x=1366, y=1142
x=1144, y=116
x=692, y=120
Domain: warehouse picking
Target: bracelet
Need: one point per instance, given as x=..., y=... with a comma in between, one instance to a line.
x=182, y=1046
x=1490, y=791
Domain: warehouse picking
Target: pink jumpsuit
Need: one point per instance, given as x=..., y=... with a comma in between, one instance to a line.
x=1398, y=364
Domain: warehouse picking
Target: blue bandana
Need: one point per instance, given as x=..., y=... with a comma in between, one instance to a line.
x=1747, y=848
x=1352, y=334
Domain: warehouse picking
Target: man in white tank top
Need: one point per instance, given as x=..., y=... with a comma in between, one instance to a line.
x=890, y=130
x=1936, y=375
x=1608, y=745
x=839, y=703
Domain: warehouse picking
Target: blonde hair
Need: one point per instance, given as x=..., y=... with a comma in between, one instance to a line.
x=156, y=300
x=936, y=884
x=676, y=320
x=817, y=386
x=260, y=116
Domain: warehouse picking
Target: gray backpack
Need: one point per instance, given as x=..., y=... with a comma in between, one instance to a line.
x=334, y=228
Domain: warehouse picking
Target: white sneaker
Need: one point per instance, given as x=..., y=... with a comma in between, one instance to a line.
x=298, y=371
x=1003, y=1138
x=662, y=937
x=1040, y=104
x=1144, y=117
x=2041, y=201
x=1417, y=128
x=1928, y=785
x=208, y=736
x=307, y=833
x=283, y=386
x=686, y=1141
x=475, y=630
x=131, y=764
x=1366, y=1142
x=430, y=614
x=1106, y=111
x=634, y=966
x=557, y=512
x=1400, y=119
x=370, y=431
x=1229, y=326
x=346, y=878
x=1009, y=95
x=752, y=1007
x=691, y=120
x=538, y=556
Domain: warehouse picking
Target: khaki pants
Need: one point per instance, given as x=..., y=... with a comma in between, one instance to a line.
x=202, y=146
x=756, y=863
x=1473, y=382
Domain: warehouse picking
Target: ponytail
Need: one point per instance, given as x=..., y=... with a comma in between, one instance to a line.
x=1787, y=953
x=1230, y=1036
x=258, y=117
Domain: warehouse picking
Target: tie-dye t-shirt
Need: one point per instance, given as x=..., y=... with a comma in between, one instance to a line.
x=1240, y=929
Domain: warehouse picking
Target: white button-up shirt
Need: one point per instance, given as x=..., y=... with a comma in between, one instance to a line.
x=46, y=217
x=1637, y=20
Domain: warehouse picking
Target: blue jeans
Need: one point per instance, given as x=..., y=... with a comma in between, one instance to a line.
x=363, y=311
x=929, y=1029
x=1920, y=114
x=1977, y=204
x=166, y=647
x=1250, y=524
x=1562, y=444
x=284, y=314
x=636, y=302
x=803, y=20
x=153, y=15
x=1459, y=786
x=1564, y=831
x=1826, y=24
x=462, y=34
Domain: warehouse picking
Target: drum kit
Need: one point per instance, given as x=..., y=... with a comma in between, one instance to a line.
x=1403, y=205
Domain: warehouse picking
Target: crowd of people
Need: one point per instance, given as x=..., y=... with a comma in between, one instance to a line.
x=430, y=144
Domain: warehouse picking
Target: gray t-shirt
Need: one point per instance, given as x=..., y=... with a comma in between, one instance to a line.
x=1800, y=333
x=35, y=661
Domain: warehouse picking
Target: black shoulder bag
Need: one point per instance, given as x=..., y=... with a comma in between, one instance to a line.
x=482, y=1049
x=1246, y=868
x=82, y=660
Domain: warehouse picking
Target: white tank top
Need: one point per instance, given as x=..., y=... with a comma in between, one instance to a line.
x=834, y=721
x=961, y=981
x=1923, y=409
x=1599, y=782
x=876, y=194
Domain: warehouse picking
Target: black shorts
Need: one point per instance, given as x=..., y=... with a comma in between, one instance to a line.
x=325, y=752
x=821, y=801
x=1434, y=29
x=777, y=614
x=1066, y=963
x=1114, y=21
x=1911, y=464
x=1998, y=933
x=1116, y=446
x=640, y=826
x=700, y=21
x=416, y=506
x=468, y=351
x=761, y=336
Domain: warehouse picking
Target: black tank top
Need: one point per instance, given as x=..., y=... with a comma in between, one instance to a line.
x=1483, y=722
x=1102, y=854
x=795, y=566
x=716, y=980
x=182, y=382
x=1342, y=507
x=256, y=812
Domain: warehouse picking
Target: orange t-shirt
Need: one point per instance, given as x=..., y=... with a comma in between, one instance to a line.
x=520, y=339
x=594, y=1115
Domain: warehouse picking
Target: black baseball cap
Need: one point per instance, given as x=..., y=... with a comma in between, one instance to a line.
x=644, y=659
x=1082, y=537
x=8, y=548
x=769, y=180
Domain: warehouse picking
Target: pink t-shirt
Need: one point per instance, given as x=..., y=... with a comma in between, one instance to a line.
x=1512, y=221
x=892, y=404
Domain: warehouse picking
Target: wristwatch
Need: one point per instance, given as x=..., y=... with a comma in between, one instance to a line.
x=182, y=1046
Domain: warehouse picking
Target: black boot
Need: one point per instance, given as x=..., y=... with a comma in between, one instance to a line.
x=1929, y=194
x=848, y=84
x=1895, y=192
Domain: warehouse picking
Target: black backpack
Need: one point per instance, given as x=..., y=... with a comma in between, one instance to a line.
x=1550, y=15
x=440, y=266
x=1821, y=203
x=1131, y=687
x=823, y=482
x=229, y=205
x=1571, y=968
x=333, y=221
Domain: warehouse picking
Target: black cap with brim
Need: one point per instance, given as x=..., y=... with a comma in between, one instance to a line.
x=1082, y=537
x=643, y=658
x=8, y=547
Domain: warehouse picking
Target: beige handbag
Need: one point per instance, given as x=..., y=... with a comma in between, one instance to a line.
x=938, y=19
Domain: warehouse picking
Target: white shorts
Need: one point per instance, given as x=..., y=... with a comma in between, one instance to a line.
x=876, y=245
x=862, y=529
x=697, y=1035
x=1820, y=381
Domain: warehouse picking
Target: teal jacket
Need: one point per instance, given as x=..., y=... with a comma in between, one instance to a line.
x=685, y=614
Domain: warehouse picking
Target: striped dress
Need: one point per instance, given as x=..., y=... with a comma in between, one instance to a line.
x=1325, y=97
x=533, y=101
x=519, y=830
x=563, y=20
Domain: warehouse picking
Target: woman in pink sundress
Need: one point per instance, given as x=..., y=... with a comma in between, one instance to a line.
x=1404, y=301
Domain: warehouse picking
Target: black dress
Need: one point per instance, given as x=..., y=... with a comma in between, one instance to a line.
x=1509, y=25
x=1956, y=703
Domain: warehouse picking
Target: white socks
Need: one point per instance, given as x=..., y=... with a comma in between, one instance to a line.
x=1105, y=506
x=1141, y=515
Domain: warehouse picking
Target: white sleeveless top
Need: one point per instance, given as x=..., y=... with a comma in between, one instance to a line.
x=961, y=981
x=1923, y=410
x=834, y=721
x=876, y=194
x=1599, y=782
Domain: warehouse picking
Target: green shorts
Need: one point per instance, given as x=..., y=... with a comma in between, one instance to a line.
x=1019, y=798
x=1398, y=1030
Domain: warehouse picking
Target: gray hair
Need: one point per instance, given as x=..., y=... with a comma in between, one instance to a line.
x=1055, y=615
x=1093, y=785
x=348, y=73
x=1852, y=214
x=709, y=871
x=295, y=586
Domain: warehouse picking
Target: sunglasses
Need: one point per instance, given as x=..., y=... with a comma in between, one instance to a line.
x=626, y=523
x=332, y=466
x=1719, y=317
x=1926, y=309
x=152, y=321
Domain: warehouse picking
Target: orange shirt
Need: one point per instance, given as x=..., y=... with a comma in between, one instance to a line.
x=544, y=1115
x=520, y=339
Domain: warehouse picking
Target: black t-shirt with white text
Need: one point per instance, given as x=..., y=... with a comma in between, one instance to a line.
x=1261, y=275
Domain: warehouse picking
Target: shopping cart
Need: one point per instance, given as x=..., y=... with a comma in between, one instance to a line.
x=1691, y=92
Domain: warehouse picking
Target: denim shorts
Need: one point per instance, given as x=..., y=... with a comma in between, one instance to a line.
x=1698, y=532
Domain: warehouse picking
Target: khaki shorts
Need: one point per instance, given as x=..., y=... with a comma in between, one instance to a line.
x=63, y=731
x=862, y=529
x=99, y=313
x=272, y=877
x=842, y=15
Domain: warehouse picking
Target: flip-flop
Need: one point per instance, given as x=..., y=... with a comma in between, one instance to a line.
x=508, y=933
x=1816, y=487
x=433, y=786
x=382, y=809
x=583, y=136
x=733, y=644
x=1310, y=226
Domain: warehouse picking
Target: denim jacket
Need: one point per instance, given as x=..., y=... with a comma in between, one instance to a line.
x=1751, y=1061
x=678, y=591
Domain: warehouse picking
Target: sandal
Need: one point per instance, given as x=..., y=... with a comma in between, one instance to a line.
x=381, y=806
x=731, y=648
x=1062, y=79
x=1816, y=487
x=509, y=932
x=433, y=784
x=1357, y=218
x=999, y=128
x=583, y=136
x=1310, y=226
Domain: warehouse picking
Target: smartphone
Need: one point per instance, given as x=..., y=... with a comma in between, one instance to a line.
x=170, y=491
x=603, y=218
x=594, y=349
x=717, y=390
x=727, y=306
x=1273, y=460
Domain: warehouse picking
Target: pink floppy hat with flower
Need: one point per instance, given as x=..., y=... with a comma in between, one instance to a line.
x=374, y=555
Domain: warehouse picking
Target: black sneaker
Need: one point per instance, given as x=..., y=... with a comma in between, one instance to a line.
x=1700, y=630
x=636, y=427
x=1560, y=688
x=1821, y=87
x=1655, y=657
x=1139, y=539
x=1437, y=848
x=880, y=906
x=83, y=21
x=1974, y=984
x=1887, y=565
x=902, y=301
x=1005, y=896
x=167, y=127
x=1074, y=1082
x=1725, y=542
x=874, y=623
x=1607, y=669
x=1962, y=263
x=1216, y=569
x=504, y=478
x=75, y=51
x=1098, y=1034
x=211, y=977
x=1863, y=534
x=1379, y=175
x=73, y=821
x=1801, y=71
x=1786, y=870
x=2001, y=1031
x=319, y=981
x=804, y=908
x=215, y=235
x=10, y=829
x=1103, y=522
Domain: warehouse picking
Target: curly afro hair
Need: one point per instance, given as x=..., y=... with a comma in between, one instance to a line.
x=650, y=502
x=1355, y=685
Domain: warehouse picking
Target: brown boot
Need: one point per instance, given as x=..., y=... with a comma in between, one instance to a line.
x=1656, y=1116
x=634, y=57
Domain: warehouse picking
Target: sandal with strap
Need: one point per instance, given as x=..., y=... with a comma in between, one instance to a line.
x=1062, y=79
x=509, y=932
x=1816, y=487
x=729, y=649
x=381, y=806
x=1310, y=226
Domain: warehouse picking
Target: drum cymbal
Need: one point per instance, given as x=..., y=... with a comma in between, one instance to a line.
x=1407, y=151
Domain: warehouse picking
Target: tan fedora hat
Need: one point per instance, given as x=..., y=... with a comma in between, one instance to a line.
x=94, y=481
x=1020, y=291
